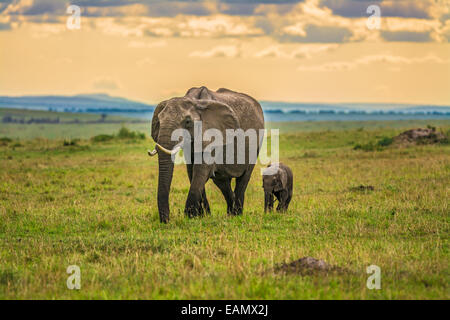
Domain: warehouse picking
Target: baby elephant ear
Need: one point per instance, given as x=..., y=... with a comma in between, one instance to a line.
x=217, y=115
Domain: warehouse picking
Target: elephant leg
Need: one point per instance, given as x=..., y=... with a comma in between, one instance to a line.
x=228, y=194
x=268, y=201
x=239, y=190
x=278, y=197
x=288, y=200
x=200, y=175
x=282, y=197
x=205, y=202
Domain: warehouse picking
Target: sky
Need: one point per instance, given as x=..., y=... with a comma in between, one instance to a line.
x=297, y=51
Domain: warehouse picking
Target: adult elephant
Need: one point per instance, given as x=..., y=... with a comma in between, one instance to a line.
x=221, y=110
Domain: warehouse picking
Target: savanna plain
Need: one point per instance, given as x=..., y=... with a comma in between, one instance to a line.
x=85, y=194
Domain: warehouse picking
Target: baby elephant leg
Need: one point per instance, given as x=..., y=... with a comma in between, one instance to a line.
x=288, y=200
x=268, y=201
x=282, y=201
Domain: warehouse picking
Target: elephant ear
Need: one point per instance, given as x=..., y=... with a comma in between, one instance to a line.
x=200, y=93
x=155, y=120
x=217, y=115
x=282, y=177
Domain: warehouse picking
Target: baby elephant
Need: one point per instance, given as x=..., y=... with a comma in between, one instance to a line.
x=278, y=181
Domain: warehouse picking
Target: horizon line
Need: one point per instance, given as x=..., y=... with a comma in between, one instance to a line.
x=262, y=100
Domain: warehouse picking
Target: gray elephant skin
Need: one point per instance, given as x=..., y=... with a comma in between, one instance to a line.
x=222, y=109
x=277, y=181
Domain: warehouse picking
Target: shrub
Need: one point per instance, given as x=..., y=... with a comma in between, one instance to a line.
x=380, y=145
x=446, y=140
x=71, y=142
x=367, y=147
x=125, y=133
x=4, y=141
x=385, y=141
x=102, y=138
x=16, y=145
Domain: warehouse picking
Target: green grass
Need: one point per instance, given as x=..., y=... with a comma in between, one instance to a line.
x=93, y=204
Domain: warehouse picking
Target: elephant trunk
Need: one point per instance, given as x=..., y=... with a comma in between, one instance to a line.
x=165, y=175
x=164, y=181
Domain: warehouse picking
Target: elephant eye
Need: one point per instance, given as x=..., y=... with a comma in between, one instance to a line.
x=188, y=122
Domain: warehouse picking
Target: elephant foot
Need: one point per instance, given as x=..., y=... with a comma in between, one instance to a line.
x=194, y=211
x=236, y=212
x=164, y=218
x=194, y=206
x=207, y=210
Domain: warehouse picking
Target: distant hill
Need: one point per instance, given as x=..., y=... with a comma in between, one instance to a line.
x=92, y=103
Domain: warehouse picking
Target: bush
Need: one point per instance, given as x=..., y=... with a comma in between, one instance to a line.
x=385, y=141
x=380, y=145
x=446, y=140
x=16, y=145
x=4, y=141
x=125, y=133
x=72, y=142
x=367, y=147
x=102, y=138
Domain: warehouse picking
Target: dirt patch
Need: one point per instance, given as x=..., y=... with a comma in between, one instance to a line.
x=419, y=136
x=363, y=188
x=307, y=266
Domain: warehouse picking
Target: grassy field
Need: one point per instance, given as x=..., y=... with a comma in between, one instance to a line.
x=94, y=205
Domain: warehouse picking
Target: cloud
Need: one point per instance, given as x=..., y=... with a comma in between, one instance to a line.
x=217, y=26
x=238, y=9
x=389, y=8
x=371, y=59
x=408, y=36
x=230, y=51
x=411, y=30
x=35, y=7
x=105, y=83
x=286, y=21
x=304, y=51
x=5, y=26
x=314, y=33
x=115, y=11
x=309, y=23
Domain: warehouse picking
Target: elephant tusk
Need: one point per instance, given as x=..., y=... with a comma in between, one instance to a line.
x=160, y=147
x=173, y=151
x=151, y=153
